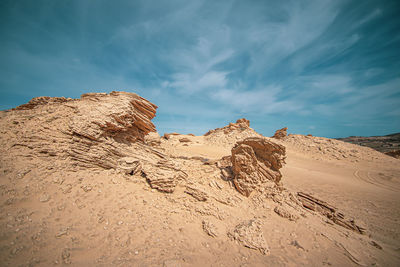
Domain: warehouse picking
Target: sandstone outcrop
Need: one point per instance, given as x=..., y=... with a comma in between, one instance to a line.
x=256, y=163
x=329, y=211
x=230, y=134
x=280, y=134
x=96, y=130
x=241, y=124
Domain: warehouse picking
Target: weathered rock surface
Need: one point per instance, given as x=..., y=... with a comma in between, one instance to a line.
x=42, y=100
x=164, y=176
x=225, y=165
x=256, y=163
x=281, y=133
x=285, y=213
x=196, y=193
x=329, y=211
x=249, y=234
x=153, y=139
x=129, y=166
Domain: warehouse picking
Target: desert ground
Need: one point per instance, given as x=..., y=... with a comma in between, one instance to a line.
x=89, y=182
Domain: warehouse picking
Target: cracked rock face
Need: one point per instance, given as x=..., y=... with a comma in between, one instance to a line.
x=256, y=163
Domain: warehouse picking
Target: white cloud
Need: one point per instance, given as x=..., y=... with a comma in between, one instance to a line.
x=263, y=101
x=374, y=14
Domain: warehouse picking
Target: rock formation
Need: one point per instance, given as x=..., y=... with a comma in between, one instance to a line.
x=97, y=130
x=329, y=211
x=90, y=131
x=280, y=134
x=256, y=163
x=241, y=124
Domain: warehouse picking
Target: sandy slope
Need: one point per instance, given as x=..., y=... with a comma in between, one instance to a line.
x=57, y=212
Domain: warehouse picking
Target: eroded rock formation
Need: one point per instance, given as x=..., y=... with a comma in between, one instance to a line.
x=280, y=134
x=329, y=211
x=256, y=163
x=97, y=130
x=241, y=124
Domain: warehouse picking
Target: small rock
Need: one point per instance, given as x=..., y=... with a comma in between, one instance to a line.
x=63, y=231
x=196, y=193
x=66, y=255
x=209, y=229
x=58, y=180
x=44, y=198
x=86, y=188
x=283, y=212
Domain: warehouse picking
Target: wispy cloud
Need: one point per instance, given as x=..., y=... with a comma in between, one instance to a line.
x=205, y=62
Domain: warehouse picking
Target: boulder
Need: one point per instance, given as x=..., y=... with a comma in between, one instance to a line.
x=255, y=164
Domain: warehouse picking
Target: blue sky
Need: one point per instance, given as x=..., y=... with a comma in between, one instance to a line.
x=329, y=68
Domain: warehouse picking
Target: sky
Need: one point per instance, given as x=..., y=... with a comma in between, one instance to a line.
x=321, y=67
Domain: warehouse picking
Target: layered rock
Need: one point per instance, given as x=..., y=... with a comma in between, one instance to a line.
x=164, y=175
x=280, y=134
x=329, y=211
x=256, y=163
x=93, y=131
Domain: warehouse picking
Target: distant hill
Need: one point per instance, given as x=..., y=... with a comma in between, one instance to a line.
x=385, y=144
